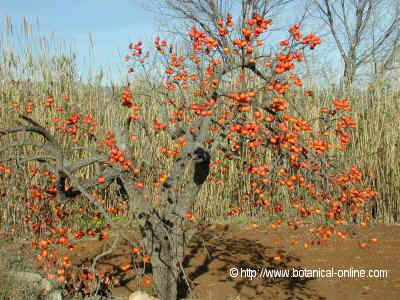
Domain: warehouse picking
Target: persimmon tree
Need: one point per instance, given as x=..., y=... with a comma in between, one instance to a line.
x=220, y=99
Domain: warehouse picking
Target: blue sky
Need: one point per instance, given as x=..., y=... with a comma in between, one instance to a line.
x=112, y=25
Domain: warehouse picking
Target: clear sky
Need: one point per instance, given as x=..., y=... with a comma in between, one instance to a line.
x=112, y=24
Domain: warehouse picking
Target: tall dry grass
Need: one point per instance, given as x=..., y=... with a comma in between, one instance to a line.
x=375, y=147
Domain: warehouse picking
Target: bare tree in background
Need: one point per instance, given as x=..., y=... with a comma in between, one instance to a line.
x=365, y=32
x=386, y=61
x=206, y=13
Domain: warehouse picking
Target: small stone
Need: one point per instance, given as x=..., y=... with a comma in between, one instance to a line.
x=139, y=295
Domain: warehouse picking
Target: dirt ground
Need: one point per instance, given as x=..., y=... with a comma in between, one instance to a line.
x=218, y=250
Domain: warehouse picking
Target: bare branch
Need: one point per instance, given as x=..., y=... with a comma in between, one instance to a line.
x=363, y=39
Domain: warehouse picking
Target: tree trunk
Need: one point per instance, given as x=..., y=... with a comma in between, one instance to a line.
x=167, y=254
x=165, y=282
x=166, y=259
x=348, y=74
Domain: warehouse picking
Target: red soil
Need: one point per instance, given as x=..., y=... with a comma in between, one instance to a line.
x=217, y=249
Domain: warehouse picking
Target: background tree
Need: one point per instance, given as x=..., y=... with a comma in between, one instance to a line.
x=364, y=31
x=182, y=15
